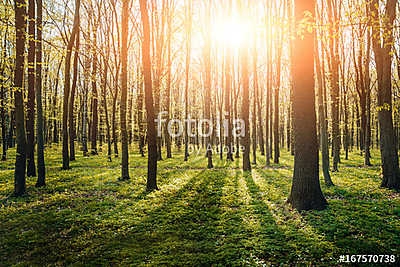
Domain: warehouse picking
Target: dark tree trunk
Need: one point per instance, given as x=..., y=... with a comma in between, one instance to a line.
x=335, y=93
x=3, y=100
x=168, y=89
x=306, y=192
x=95, y=119
x=30, y=116
x=140, y=112
x=383, y=58
x=41, y=168
x=151, y=128
x=67, y=86
x=324, y=144
x=124, y=90
x=245, y=107
x=20, y=161
x=54, y=114
x=187, y=69
x=208, y=87
x=276, y=105
x=71, y=121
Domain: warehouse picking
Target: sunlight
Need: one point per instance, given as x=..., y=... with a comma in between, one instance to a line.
x=232, y=32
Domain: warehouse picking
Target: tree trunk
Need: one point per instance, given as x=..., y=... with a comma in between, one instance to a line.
x=383, y=58
x=3, y=100
x=67, y=86
x=324, y=144
x=95, y=119
x=306, y=192
x=71, y=123
x=41, y=168
x=245, y=107
x=124, y=90
x=20, y=161
x=30, y=120
x=151, y=128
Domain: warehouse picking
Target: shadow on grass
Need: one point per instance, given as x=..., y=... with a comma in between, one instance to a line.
x=183, y=230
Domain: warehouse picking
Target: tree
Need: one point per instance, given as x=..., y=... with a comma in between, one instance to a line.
x=3, y=99
x=245, y=106
x=71, y=120
x=151, y=127
x=124, y=89
x=40, y=141
x=67, y=85
x=382, y=46
x=306, y=192
x=30, y=120
x=95, y=116
x=323, y=129
x=207, y=86
x=20, y=161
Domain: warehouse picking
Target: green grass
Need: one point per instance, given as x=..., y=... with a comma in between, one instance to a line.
x=199, y=217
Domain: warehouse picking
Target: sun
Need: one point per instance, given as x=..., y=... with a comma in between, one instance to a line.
x=232, y=32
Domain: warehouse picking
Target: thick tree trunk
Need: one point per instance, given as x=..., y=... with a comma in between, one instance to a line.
x=383, y=58
x=306, y=193
x=20, y=161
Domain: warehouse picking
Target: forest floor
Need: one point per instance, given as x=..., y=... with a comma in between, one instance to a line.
x=224, y=217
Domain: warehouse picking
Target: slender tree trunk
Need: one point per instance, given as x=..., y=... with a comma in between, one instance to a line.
x=124, y=90
x=71, y=122
x=168, y=89
x=140, y=112
x=187, y=69
x=30, y=120
x=324, y=144
x=67, y=86
x=95, y=119
x=3, y=100
x=41, y=168
x=245, y=107
x=208, y=86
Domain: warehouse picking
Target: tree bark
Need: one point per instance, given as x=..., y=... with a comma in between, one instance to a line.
x=67, y=86
x=124, y=90
x=71, y=121
x=151, y=128
x=382, y=47
x=41, y=168
x=306, y=192
x=30, y=120
x=20, y=161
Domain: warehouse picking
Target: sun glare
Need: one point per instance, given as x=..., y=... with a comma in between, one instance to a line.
x=231, y=32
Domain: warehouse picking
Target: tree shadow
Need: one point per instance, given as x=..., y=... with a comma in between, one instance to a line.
x=182, y=230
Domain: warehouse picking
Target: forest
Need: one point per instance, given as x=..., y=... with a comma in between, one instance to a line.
x=199, y=133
